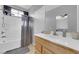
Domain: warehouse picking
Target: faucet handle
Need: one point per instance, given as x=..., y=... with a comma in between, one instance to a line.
x=3, y=37
x=2, y=32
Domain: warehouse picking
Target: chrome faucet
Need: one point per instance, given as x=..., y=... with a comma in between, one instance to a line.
x=62, y=30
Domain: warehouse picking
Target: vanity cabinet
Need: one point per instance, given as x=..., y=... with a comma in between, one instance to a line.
x=46, y=51
x=38, y=47
x=44, y=46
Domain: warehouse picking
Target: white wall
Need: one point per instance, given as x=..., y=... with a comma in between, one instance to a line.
x=50, y=22
x=78, y=18
x=39, y=20
x=50, y=7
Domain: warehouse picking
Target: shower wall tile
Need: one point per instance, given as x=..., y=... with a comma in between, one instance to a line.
x=13, y=27
x=1, y=6
x=1, y=15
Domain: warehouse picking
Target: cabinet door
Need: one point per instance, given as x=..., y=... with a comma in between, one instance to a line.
x=58, y=49
x=46, y=51
x=38, y=47
x=37, y=52
x=47, y=47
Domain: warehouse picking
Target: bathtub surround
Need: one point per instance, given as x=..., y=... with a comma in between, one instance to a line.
x=10, y=32
x=13, y=34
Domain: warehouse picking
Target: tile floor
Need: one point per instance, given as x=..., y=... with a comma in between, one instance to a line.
x=25, y=50
x=31, y=49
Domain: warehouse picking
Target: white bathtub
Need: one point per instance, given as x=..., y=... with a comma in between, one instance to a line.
x=9, y=44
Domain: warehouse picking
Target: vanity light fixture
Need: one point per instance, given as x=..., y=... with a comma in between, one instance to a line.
x=62, y=17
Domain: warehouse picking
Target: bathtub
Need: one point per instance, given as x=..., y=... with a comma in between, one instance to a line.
x=9, y=44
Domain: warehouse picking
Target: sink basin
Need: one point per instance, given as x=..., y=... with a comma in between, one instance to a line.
x=56, y=37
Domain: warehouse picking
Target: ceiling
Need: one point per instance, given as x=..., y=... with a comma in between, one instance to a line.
x=25, y=6
x=50, y=7
x=34, y=8
x=21, y=7
x=29, y=8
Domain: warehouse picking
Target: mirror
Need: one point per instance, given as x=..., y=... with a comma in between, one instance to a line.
x=61, y=18
x=62, y=24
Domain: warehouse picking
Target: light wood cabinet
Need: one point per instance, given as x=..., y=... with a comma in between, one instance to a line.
x=38, y=47
x=44, y=46
x=46, y=51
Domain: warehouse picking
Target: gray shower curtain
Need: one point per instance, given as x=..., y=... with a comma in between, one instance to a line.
x=26, y=31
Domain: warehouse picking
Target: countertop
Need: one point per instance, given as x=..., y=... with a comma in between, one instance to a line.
x=67, y=42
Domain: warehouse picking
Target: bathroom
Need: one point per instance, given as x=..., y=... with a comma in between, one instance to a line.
x=57, y=20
